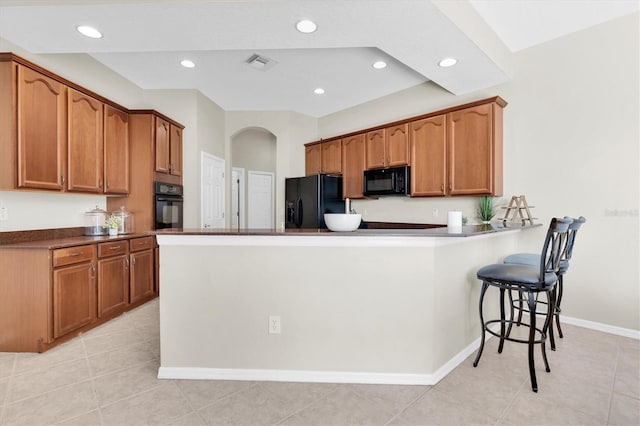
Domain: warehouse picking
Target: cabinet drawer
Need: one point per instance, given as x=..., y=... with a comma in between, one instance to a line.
x=71, y=255
x=113, y=248
x=138, y=244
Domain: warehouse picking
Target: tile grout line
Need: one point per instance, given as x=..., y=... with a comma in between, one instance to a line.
x=91, y=377
x=613, y=382
x=193, y=410
x=5, y=401
x=410, y=404
x=279, y=422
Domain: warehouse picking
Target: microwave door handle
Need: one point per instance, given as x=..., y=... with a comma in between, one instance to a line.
x=394, y=184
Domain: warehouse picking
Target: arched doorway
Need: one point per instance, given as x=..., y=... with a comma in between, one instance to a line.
x=253, y=170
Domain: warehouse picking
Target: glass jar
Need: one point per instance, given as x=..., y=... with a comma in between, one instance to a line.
x=126, y=220
x=93, y=221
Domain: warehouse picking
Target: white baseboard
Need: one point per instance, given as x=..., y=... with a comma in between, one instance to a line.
x=294, y=376
x=625, y=332
x=310, y=376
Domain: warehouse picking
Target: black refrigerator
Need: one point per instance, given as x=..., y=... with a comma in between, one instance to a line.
x=308, y=198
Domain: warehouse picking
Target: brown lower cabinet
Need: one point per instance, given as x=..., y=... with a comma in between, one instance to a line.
x=74, y=289
x=142, y=269
x=51, y=292
x=113, y=277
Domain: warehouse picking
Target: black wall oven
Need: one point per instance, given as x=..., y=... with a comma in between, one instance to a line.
x=168, y=199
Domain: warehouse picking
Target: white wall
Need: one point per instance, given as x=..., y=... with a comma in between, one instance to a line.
x=571, y=133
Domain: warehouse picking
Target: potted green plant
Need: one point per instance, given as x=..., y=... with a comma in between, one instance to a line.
x=486, y=209
x=112, y=224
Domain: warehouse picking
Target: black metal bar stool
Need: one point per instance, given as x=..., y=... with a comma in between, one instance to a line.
x=530, y=280
x=533, y=259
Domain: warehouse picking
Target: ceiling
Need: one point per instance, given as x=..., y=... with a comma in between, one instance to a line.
x=144, y=42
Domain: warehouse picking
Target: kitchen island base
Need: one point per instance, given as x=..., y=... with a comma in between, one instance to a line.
x=356, y=309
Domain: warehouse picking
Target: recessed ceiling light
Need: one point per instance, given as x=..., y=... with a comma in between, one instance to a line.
x=319, y=91
x=187, y=63
x=306, y=26
x=89, y=31
x=379, y=65
x=447, y=62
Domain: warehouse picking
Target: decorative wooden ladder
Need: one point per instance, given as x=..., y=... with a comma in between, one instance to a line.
x=516, y=206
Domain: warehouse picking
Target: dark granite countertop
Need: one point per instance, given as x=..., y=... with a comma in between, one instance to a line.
x=442, y=231
x=55, y=243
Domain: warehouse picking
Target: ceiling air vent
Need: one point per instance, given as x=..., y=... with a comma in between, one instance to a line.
x=260, y=62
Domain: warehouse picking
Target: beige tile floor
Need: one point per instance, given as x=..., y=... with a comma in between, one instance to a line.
x=108, y=377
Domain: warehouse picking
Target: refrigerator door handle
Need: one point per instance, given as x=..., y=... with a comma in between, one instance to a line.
x=300, y=213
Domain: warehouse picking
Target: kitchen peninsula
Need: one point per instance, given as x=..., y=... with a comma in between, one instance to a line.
x=371, y=306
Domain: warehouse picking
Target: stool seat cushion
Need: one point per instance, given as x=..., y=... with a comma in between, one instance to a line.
x=513, y=273
x=532, y=259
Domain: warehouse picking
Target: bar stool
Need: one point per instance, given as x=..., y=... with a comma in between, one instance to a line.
x=529, y=280
x=533, y=259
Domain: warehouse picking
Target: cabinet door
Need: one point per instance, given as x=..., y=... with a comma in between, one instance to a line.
x=332, y=157
x=116, y=151
x=175, y=142
x=141, y=284
x=397, y=146
x=162, y=145
x=113, y=285
x=313, y=160
x=353, y=166
x=375, y=149
x=74, y=303
x=470, y=150
x=85, y=143
x=42, y=130
x=428, y=156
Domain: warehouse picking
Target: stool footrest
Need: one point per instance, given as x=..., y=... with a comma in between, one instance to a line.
x=543, y=336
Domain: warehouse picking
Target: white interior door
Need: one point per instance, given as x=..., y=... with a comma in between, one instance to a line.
x=212, y=175
x=237, y=198
x=261, y=200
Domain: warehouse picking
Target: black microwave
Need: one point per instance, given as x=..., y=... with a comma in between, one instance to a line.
x=390, y=181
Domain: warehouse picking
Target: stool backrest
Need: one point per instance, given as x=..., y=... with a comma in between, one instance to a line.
x=571, y=239
x=554, y=246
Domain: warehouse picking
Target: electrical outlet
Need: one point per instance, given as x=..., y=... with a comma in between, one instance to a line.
x=435, y=212
x=275, y=326
x=4, y=213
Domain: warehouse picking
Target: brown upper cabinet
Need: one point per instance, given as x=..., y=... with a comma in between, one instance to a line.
x=325, y=157
x=55, y=135
x=175, y=150
x=332, y=157
x=85, y=143
x=455, y=151
x=168, y=148
x=353, y=166
x=475, y=150
x=387, y=147
x=116, y=151
x=313, y=159
x=428, y=141
x=459, y=153
x=162, y=146
x=35, y=151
